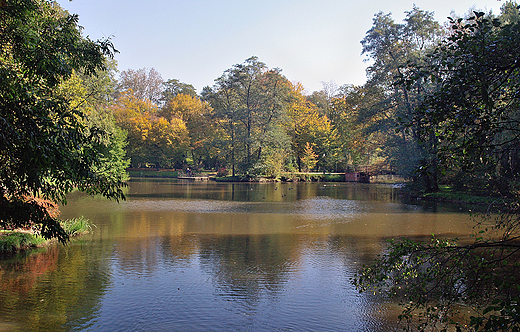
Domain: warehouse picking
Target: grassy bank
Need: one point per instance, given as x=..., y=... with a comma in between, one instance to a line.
x=152, y=173
x=292, y=177
x=448, y=194
x=287, y=177
x=16, y=240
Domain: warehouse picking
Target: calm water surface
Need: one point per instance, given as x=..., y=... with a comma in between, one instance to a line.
x=206, y=256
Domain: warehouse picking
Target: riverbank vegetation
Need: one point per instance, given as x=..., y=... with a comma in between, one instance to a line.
x=56, y=133
x=466, y=124
x=440, y=108
x=16, y=240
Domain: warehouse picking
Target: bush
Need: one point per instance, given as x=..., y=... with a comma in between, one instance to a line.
x=76, y=226
x=14, y=241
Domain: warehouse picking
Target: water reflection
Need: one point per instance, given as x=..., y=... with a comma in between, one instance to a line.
x=217, y=257
x=53, y=289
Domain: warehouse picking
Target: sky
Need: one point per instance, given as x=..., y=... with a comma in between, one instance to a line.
x=195, y=41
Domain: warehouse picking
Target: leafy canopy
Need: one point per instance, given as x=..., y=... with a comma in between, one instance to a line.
x=47, y=147
x=472, y=116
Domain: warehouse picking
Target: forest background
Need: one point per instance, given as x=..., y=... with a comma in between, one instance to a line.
x=254, y=121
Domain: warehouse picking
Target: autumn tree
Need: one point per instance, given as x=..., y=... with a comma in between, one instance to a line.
x=152, y=139
x=202, y=130
x=309, y=158
x=307, y=125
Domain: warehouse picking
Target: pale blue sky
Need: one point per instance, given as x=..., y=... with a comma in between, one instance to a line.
x=196, y=41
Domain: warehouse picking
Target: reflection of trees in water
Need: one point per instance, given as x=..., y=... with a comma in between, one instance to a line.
x=149, y=242
x=259, y=192
x=247, y=270
x=244, y=267
x=179, y=248
x=20, y=272
x=356, y=252
x=57, y=289
x=138, y=255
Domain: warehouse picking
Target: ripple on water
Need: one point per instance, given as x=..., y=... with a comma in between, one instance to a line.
x=315, y=208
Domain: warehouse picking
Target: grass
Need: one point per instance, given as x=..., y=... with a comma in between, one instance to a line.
x=76, y=226
x=302, y=177
x=447, y=193
x=12, y=241
x=153, y=173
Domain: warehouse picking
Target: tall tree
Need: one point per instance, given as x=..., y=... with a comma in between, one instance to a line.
x=474, y=117
x=174, y=87
x=391, y=47
x=250, y=99
x=222, y=100
x=146, y=84
x=46, y=147
x=474, y=114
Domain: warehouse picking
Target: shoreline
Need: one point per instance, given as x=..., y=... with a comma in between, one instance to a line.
x=13, y=241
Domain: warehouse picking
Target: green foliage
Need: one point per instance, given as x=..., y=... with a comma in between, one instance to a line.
x=386, y=103
x=14, y=241
x=174, y=87
x=466, y=122
x=473, y=117
x=76, y=226
x=333, y=178
x=91, y=95
x=449, y=194
x=249, y=101
x=434, y=281
x=46, y=147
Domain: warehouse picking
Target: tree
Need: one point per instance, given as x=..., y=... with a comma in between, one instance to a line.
x=174, y=87
x=474, y=114
x=222, y=100
x=46, y=147
x=152, y=139
x=474, y=118
x=198, y=117
x=249, y=101
x=323, y=98
x=307, y=125
x=360, y=137
x=91, y=95
x=145, y=84
x=392, y=47
x=309, y=158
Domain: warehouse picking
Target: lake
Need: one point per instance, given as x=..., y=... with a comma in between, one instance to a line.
x=207, y=256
